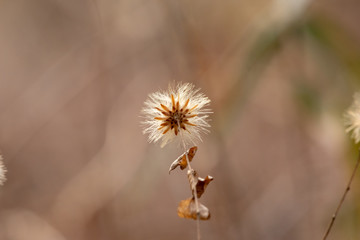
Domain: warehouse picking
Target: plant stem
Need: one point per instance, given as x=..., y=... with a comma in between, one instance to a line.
x=196, y=201
x=342, y=198
x=193, y=190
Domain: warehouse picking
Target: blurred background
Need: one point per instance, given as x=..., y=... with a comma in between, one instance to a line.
x=73, y=79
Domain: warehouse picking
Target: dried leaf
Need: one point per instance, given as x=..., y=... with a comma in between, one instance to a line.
x=187, y=209
x=198, y=183
x=181, y=161
x=202, y=184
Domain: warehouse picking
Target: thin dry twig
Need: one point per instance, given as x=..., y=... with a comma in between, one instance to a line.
x=342, y=198
x=194, y=191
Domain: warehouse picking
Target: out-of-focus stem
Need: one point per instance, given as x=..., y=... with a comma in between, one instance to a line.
x=347, y=189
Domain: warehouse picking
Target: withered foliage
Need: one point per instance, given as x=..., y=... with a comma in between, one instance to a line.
x=181, y=161
x=202, y=184
x=198, y=183
x=187, y=209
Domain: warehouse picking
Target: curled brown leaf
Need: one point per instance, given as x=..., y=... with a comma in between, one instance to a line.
x=181, y=161
x=197, y=183
x=202, y=184
x=187, y=209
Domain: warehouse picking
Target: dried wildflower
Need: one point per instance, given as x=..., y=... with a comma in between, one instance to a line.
x=2, y=171
x=177, y=111
x=352, y=118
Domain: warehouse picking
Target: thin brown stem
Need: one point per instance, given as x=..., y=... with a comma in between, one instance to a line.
x=196, y=201
x=193, y=189
x=347, y=189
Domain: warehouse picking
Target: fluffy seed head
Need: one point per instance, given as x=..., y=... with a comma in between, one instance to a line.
x=2, y=171
x=352, y=118
x=176, y=114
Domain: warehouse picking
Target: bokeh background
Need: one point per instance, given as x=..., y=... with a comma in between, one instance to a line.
x=73, y=79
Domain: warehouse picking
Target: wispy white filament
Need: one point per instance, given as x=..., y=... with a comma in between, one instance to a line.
x=2, y=171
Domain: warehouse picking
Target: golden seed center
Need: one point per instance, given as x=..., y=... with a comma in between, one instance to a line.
x=176, y=118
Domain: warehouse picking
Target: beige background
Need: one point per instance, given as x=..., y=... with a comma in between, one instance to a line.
x=73, y=79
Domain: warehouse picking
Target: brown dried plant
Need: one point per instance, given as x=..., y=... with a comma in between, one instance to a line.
x=180, y=114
